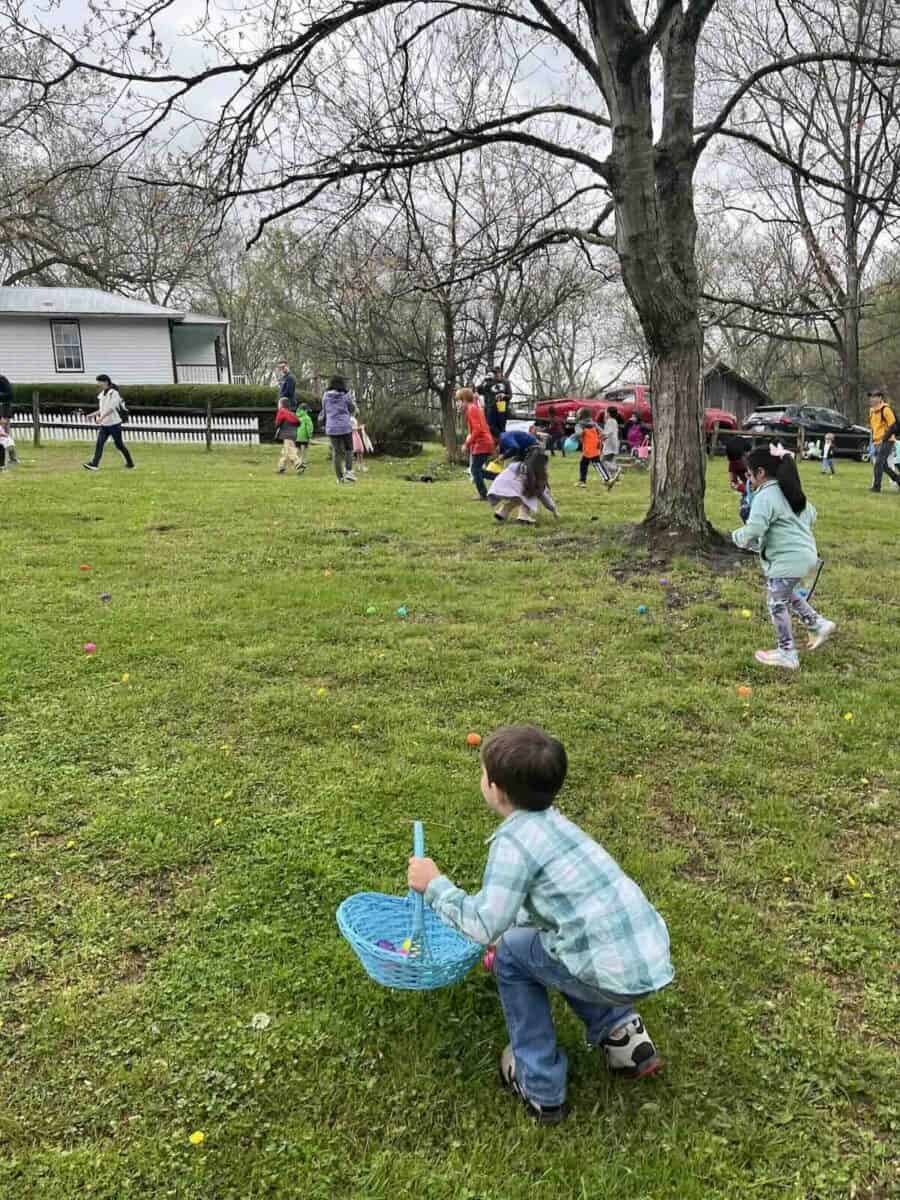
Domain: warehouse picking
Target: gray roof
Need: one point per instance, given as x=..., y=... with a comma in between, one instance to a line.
x=86, y=302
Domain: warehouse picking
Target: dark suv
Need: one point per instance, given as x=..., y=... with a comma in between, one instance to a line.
x=850, y=441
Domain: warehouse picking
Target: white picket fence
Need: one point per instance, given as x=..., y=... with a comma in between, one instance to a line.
x=174, y=427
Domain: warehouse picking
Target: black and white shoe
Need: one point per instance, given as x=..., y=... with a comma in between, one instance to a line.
x=542, y=1113
x=630, y=1052
x=90, y=467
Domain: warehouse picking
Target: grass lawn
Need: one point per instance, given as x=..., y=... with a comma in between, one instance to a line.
x=173, y=846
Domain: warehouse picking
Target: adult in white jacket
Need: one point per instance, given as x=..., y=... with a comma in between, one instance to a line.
x=109, y=417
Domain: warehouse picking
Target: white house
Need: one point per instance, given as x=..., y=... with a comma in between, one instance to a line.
x=55, y=333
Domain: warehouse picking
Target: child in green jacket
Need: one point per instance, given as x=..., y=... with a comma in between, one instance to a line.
x=304, y=433
x=780, y=526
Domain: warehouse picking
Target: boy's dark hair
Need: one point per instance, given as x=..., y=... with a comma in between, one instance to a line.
x=784, y=471
x=337, y=383
x=736, y=448
x=527, y=763
x=613, y=412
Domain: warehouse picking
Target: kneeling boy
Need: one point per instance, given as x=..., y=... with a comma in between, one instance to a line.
x=567, y=917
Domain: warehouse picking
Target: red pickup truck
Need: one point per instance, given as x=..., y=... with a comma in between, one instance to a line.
x=624, y=400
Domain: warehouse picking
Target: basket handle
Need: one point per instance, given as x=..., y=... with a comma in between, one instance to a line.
x=418, y=898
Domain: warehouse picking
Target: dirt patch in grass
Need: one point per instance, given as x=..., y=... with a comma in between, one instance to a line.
x=133, y=965
x=680, y=830
x=162, y=890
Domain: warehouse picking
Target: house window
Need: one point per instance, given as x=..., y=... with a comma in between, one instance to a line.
x=67, y=345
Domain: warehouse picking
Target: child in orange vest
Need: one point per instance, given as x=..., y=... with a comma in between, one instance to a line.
x=591, y=446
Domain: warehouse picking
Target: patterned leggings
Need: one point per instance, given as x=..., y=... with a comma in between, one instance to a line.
x=784, y=599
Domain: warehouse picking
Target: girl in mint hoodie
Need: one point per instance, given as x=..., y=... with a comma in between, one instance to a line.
x=780, y=527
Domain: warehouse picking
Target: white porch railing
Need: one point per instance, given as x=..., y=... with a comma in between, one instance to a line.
x=200, y=373
x=174, y=427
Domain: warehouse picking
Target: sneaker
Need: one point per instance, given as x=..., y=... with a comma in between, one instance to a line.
x=498, y=516
x=630, y=1051
x=526, y=521
x=875, y=489
x=581, y=485
x=90, y=467
x=340, y=479
x=350, y=477
x=542, y=1113
x=778, y=658
x=613, y=480
x=820, y=634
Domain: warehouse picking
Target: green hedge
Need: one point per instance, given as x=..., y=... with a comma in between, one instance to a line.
x=166, y=395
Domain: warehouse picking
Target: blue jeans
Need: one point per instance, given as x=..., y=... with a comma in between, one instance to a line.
x=524, y=971
x=114, y=432
x=477, y=466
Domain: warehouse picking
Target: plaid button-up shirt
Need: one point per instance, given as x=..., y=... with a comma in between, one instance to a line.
x=544, y=871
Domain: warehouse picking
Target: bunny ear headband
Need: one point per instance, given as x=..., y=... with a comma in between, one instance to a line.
x=778, y=451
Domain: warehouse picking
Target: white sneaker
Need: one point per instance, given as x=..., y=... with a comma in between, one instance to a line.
x=350, y=477
x=820, y=634
x=629, y=1049
x=542, y=1113
x=778, y=658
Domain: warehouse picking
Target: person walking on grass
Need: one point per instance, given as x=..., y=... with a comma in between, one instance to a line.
x=556, y=431
x=591, y=443
x=780, y=525
x=591, y=935
x=286, y=424
x=610, y=454
x=109, y=416
x=6, y=400
x=480, y=440
x=7, y=443
x=304, y=435
x=828, y=454
x=883, y=424
x=337, y=413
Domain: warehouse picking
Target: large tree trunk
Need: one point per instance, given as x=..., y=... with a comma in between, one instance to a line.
x=656, y=231
x=678, y=462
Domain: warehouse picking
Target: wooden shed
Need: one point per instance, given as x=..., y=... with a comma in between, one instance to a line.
x=724, y=388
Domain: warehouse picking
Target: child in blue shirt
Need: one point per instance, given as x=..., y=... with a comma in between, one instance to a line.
x=564, y=916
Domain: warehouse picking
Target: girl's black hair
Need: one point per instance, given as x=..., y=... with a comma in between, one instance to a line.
x=337, y=383
x=534, y=466
x=783, y=471
x=110, y=386
x=735, y=448
x=613, y=412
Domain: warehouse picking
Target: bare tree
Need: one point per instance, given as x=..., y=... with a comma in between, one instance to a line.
x=828, y=200
x=302, y=120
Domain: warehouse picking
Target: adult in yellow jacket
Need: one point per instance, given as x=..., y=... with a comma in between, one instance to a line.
x=883, y=424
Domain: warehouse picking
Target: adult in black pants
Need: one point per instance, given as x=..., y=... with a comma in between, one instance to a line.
x=883, y=423
x=109, y=417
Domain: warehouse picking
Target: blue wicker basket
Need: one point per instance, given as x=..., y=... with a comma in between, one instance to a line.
x=438, y=955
